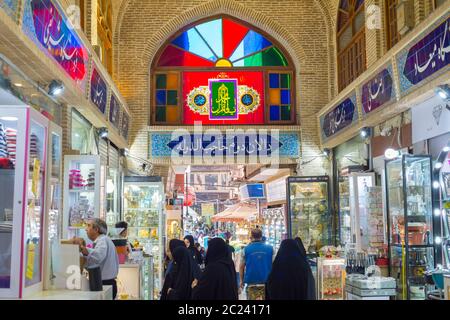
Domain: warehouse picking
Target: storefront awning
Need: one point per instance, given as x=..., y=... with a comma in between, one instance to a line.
x=236, y=213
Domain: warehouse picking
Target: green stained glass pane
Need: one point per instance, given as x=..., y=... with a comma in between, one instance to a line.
x=269, y=57
x=285, y=80
x=161, y=81
x=172, y=97
x=286, y=112
x=160, y=114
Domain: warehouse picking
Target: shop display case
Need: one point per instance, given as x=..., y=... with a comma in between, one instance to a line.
x=410, y=223
x=23, y=170
x=274, y=225
x=135, y=280
x=331, y=276
x=309, y=211
x=354, y=213
x=143, y=210
x=81, y=200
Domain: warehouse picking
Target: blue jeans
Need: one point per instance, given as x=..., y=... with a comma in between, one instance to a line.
x=238, y=279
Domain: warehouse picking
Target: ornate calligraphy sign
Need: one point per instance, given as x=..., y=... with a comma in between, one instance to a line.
x=98, y=90
x=164, y=144
x=427, y=56
x=223, y=97
x=223, y=103
x=46, y=25
x=114, y=109
x=377, y=91
x=340, y=117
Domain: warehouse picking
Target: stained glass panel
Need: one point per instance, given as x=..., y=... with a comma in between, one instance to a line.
x=192, y=42
x=286, y=112
x=211, y=31
x=172, y=81
x=285, y=96
x=233, y=34
x=252, y=43
x=285, y=80
x=160, y=114
x=161, y=81
x=274, y=80
x=274, y=113
x=172, y=57
x=269, y=57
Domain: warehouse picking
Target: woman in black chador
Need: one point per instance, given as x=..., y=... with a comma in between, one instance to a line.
x=218, y=281
x=180, y=286
x=291, y=277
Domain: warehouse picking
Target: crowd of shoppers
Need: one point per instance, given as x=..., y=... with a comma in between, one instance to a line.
x=264, y=275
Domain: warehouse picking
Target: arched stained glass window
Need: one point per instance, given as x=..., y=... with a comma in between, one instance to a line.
x=218, y=58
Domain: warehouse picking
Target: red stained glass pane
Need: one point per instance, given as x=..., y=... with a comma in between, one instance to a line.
x=172, y=57
x=233, y=33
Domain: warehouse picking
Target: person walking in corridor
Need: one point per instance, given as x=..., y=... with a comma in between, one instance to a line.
x=291, y=277
x=218, y=281
x=182, y=278
x=256, y=264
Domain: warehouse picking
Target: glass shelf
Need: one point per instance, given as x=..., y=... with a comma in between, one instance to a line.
x=409, y=178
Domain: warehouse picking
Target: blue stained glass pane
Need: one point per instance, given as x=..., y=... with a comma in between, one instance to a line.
x=274, y=80
x=253, y=42
x=161, y=97
x=274, y=113
x=192, y=42
x=285, y=97
x=212, y=33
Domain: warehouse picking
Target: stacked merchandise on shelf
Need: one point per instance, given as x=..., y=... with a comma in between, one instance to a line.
x=3, y=145
x=80, y=212
x=11, y=141
x=91, y=179
x=374, y=205
x=274, y=226
x=34, y=149
x=75, y=179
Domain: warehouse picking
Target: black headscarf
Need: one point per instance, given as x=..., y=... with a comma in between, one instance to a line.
x=218, y=281
x=291, y=276
x=195, y=253
x=175, y=243
x=182, y=275
x=301, y=246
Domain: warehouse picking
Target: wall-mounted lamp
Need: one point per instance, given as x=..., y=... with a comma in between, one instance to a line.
x=365, y=132
x=443, y=91
x=102, y=132
x=124, y=152
x=55, y=88
x=326, y=152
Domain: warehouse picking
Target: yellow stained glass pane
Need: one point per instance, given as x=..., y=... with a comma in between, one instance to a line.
x=274, y=96
x=172, y=114
x=172, y=81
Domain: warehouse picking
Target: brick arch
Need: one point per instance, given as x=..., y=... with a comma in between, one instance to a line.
x=229, y=7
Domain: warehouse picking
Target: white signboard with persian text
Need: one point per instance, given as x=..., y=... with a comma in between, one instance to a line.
x=430, y=118
x=276, y=190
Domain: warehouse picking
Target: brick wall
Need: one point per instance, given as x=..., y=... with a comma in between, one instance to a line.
x=300, y=26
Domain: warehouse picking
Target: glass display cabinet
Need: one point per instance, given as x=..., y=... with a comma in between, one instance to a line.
x=143, y=210
x=309, y=211
x=331, y=278
x=81, y=193
x=410, y=223
x=353, y=211
x=23, y=170
x=274, y=226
